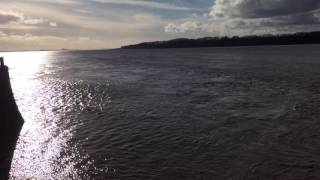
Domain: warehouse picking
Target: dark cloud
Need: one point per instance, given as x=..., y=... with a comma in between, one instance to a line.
x=304, y=19
x=262, y=8
x=276, y=16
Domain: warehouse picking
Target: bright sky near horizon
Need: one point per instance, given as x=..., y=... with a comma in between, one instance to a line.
x=99, y=24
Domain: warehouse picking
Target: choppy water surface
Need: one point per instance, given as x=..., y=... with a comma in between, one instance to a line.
x=210, y=113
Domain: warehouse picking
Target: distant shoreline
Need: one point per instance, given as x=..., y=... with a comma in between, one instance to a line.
x=235, y=41
x=55, y=50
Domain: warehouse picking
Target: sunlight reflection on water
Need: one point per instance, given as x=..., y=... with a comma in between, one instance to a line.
x=41, y=148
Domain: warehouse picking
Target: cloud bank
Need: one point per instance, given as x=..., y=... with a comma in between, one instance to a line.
x=243, y=17
x=7, y=17
x=261, y=8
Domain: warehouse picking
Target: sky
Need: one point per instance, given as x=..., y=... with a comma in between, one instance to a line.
x=104, y=24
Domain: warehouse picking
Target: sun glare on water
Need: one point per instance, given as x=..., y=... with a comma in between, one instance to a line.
x=41, y=142
x=25, y=63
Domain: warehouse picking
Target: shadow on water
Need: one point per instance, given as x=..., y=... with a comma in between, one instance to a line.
x=11, y=122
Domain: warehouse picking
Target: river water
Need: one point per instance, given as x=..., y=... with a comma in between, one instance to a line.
x=207, y=113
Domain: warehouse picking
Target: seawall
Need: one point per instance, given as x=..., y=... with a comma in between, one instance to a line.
x=11, y=122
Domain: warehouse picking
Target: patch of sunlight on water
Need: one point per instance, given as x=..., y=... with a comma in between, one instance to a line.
x=41, y=143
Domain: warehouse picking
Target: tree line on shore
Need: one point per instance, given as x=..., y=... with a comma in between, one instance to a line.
x=254, y=40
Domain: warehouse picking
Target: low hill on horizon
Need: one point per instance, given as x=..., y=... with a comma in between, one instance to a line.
x=254, y=40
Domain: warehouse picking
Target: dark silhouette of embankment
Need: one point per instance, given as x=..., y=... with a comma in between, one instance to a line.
x=11, y=122
x=281, y=39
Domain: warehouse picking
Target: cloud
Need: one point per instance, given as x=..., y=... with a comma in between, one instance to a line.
x=7, y=17
x=53, y=24
x=35, y=21
x=2, y=34
x=10, y=16
x=261, y=8
x=189, y=26
x=244, y=17
x=63, y=2
x=144, y=3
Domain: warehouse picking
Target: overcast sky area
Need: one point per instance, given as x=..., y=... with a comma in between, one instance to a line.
x=100, y=24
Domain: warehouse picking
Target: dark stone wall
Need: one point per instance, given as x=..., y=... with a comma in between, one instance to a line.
x=11, y=122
